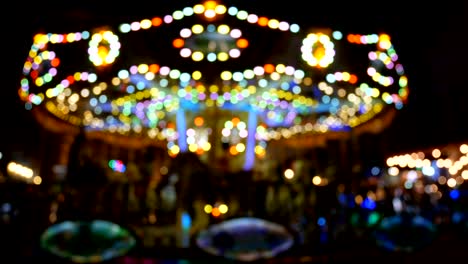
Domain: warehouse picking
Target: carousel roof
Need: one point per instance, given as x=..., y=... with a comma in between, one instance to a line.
x=176, y=78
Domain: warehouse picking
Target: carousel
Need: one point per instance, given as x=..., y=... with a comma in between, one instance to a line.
x=230, y=87
x=213, y=80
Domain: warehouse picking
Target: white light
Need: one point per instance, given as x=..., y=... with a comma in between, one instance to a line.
x=289, y=174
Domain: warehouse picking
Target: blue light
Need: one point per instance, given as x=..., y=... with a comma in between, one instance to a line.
x=454, y=194
x=181, y=128
x=342, y=199
x=321, y=221
x=186, y=221
x=368, y=204
x=337, y=35
x=375, y=171
x=250, y=148
x=6, y=207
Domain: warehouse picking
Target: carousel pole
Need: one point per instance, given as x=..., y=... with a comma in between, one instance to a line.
x=250, y=146
x=181, y=129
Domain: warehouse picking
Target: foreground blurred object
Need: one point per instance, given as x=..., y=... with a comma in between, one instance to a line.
x=405, y=233
x=245, y=239
x=87, y=242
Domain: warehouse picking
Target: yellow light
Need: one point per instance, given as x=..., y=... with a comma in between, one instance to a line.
x=175, y=149
x=223, y=29
x=197, y=29
x=210, y=4
x=226, y=75
x=41, y=39
x=197, y=56
x=198, y=9
x=208, y=208
x=223, y=208
x=220, y=9
x=319, y=53
x=50, y=93
x=259, y=150
x=143, y=68
x=206, y=146
x=196, y=75
x=273, y=23
x=70, y=37
x=384, y=41
x=240, y=147
x=193, y=147
x=223, y=56
x=37, y=180
x=145, y=23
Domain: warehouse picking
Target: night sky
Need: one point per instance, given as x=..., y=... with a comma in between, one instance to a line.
x=430, y=41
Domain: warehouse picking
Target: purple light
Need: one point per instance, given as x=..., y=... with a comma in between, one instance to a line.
x=250, y=146
x=181, y=128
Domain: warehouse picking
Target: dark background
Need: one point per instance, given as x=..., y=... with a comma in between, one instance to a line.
x=430, y=40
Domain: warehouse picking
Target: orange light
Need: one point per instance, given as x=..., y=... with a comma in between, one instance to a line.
x=198, y=121
x=235, y=121
x=262, y=21
x=210, y=5
x=199, y=151
x=269, y=68
x=215, y=212
x=352, y=38
x=22, y=94
x=156, y=21
x=55, y=62
x=154, y=68
x=178, y=43
x=233, y=151
x=352, y=79
x=64, y=38
x=242, y=43
x=357, y=39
